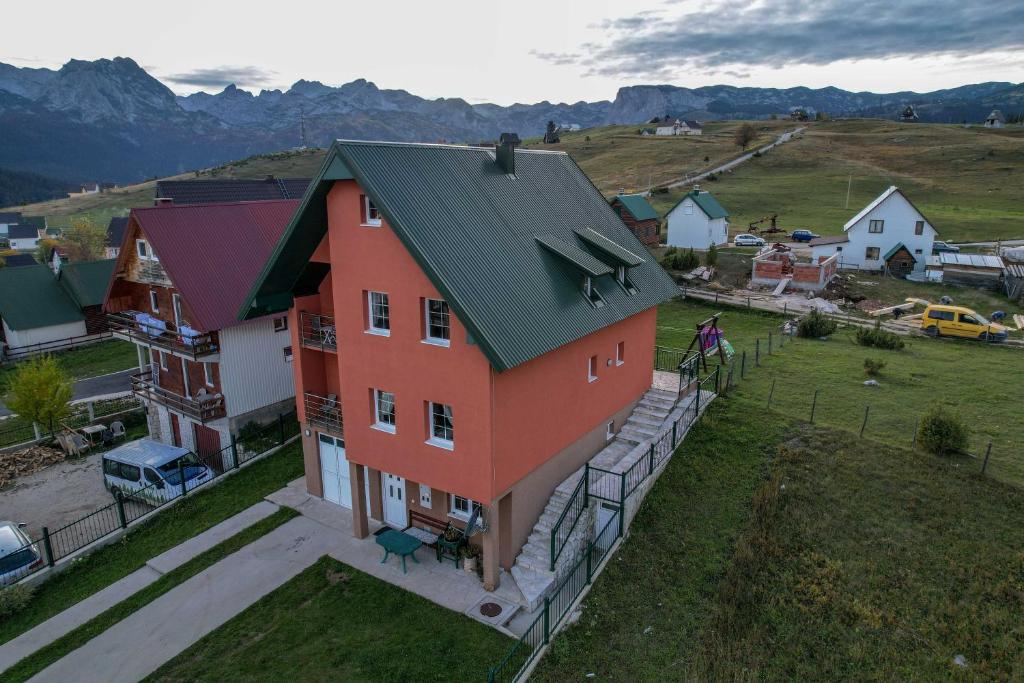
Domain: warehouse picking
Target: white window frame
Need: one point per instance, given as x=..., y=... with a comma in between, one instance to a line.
x=620, y=353
x=446, y=313
x=369, y=221
x=880, y=222
x=434, y=439
x=458, y=513
x=918, y=224
x=154, y=301
x=281, y=323
x=609, y=431
x=142, y=249
x=592, y=369
x=389, y=427
x=179, y=319
x=620, y=274
x=208, y=374
x=386, y=306
x=163, y=359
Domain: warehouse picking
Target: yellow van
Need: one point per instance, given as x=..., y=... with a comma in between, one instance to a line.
x=957, y=321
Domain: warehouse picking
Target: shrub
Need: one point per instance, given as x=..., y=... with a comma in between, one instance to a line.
x=815, y=325
x=14, y=599
x=711, y=256
x=879, y=338
x=873, y=366
x=942, y=430
x=688, y=260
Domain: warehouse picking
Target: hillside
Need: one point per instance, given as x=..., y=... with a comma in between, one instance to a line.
x=968, y=181
x=20, y=187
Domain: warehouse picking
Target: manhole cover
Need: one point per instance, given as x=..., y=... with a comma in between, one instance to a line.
x=490, y=609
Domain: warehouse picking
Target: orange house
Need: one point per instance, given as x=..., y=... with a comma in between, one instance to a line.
x=471, y=325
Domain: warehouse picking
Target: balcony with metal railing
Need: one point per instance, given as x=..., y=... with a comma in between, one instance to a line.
x=202, y=408
x=318, y=331
x=324, y=412
x=142, y=328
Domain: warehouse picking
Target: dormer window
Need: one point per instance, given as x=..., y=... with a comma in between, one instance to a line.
x=144, y=251
x=622, y=277
x=371, y=216
x=593, y=296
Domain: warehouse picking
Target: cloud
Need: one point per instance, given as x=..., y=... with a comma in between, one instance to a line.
x=557, y=58
x=222, y=76
x=779, y=33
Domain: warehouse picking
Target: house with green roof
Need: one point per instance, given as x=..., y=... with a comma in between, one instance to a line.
x=697, y=221
x=639, y=216
x=37, y=307
x=472, y=325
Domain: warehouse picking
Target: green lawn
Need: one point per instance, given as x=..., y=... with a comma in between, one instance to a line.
x=968, y=182
x=889, y=291
x=96, y=359
x=975, y=379
x=772, y=549
x=43, y=658
x=163, y=531
x=335, y=623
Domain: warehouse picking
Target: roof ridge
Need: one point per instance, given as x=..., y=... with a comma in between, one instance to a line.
x=441, y=145
x=209, y=204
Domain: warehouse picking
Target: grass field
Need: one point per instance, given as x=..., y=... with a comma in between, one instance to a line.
x=772, y=549
x=616, y=157
x=969, y=182
x=335, y=623
x=163, y=531
x=96, y=359
x=974, y=379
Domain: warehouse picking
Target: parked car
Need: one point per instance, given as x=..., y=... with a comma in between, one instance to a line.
x=747, y=240
x=151, y=471
x=803, y=236
x=958, y=321
x=938, y=246
x=19, y=557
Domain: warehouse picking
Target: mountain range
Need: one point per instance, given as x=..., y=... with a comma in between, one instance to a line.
x=109, y=120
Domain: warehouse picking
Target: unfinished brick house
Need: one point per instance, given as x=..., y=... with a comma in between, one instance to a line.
x=779, y=267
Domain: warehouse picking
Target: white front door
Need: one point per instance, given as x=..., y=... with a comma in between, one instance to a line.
x=334, y=471
x=395, y=513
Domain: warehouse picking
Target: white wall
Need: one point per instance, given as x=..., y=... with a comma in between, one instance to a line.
x=24, y=243
x=253, y=369
x=899, y=216
x=38, y=335
x=695, y=229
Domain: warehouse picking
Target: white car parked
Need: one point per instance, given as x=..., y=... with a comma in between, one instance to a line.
x=19, y=557
x=151, y=471
x=748, y=240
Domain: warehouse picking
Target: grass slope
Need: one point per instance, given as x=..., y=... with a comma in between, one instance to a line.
x=968, y=181
x=335, y=623
x=163, y=531
x=33, y=664
x=96, y=359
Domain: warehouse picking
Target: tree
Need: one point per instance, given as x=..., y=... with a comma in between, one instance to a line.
x=43, y=248
x=711, y=256
x=745, y=134
x=84, y=240
x=40, y=391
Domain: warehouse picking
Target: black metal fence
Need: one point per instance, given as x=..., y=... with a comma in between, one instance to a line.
x=16, y=353
x=131, y=503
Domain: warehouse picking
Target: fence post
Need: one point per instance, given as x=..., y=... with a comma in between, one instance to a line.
x=748, y=302
x=586, y=483
x=48, y=546
x=234, y=451
x=716, y=297
x=757, y=352
x=673, y=436
x=771, y=392
x=37, y=431
x=988, y=452
x=280, y=428
x=650, y=457
x=814, y=404
x=785, y=307
x=121, y=517
x=547, y=620
x=743, y=365
x=590, y=566
x=622, y=503
x=181, y=477
x=91, y=407
x=865, y=423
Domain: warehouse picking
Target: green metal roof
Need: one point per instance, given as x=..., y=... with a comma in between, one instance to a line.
x=637, y=206
x=707, y=203
x=574, y=255
x=87, y=281
x=619, y=253
x=899, y=245
x=473, y=230
x=30, y=297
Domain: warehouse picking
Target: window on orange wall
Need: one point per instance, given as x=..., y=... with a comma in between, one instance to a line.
x=592, y=369
x=620, y=353
x=370, y=214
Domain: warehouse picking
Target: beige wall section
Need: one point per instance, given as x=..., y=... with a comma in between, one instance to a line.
x=311, y=458
x=531, y=493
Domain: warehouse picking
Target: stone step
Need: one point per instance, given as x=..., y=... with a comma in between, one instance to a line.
x=646, y=419
x=533, y=562
x=634, y=436
x=662, y=394
x=533, y=585
x=642, y=427
x=659, y=407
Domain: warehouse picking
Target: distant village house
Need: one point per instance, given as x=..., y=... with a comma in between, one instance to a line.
x=673, y=126
x=697, y=221
x=639, y=215
x=995, y=119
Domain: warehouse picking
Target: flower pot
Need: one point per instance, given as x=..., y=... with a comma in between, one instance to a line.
x=469, y=564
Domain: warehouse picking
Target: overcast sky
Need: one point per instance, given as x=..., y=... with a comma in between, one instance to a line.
x=532, y=50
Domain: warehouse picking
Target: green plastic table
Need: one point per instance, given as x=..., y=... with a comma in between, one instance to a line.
x=400, y=544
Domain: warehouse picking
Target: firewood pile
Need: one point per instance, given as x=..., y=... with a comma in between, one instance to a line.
x=26, y=461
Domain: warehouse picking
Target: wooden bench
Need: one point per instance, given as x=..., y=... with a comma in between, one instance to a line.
x=416, y=516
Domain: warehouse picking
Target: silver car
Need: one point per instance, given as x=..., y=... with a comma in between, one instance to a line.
x=747, y=240
x=19, y=556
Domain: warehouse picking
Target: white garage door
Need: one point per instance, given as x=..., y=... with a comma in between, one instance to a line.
x=334, y=471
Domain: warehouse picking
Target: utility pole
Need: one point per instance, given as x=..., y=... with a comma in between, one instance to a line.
x=849, y=182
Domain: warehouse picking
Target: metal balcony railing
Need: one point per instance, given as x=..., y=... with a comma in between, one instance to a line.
x=324, y=412
x=141, y=328
x=318, y=331
x=201, y=408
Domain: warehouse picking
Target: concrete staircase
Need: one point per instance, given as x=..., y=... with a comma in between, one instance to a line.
x=532, y=569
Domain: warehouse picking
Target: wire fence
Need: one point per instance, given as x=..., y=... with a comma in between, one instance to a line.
x=15, y=431
x=133, y=500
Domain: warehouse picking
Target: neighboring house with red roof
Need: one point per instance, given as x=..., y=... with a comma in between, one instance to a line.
x=181, y=275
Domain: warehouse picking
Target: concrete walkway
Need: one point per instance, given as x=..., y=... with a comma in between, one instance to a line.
x=61, y=624
x=139, y=644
